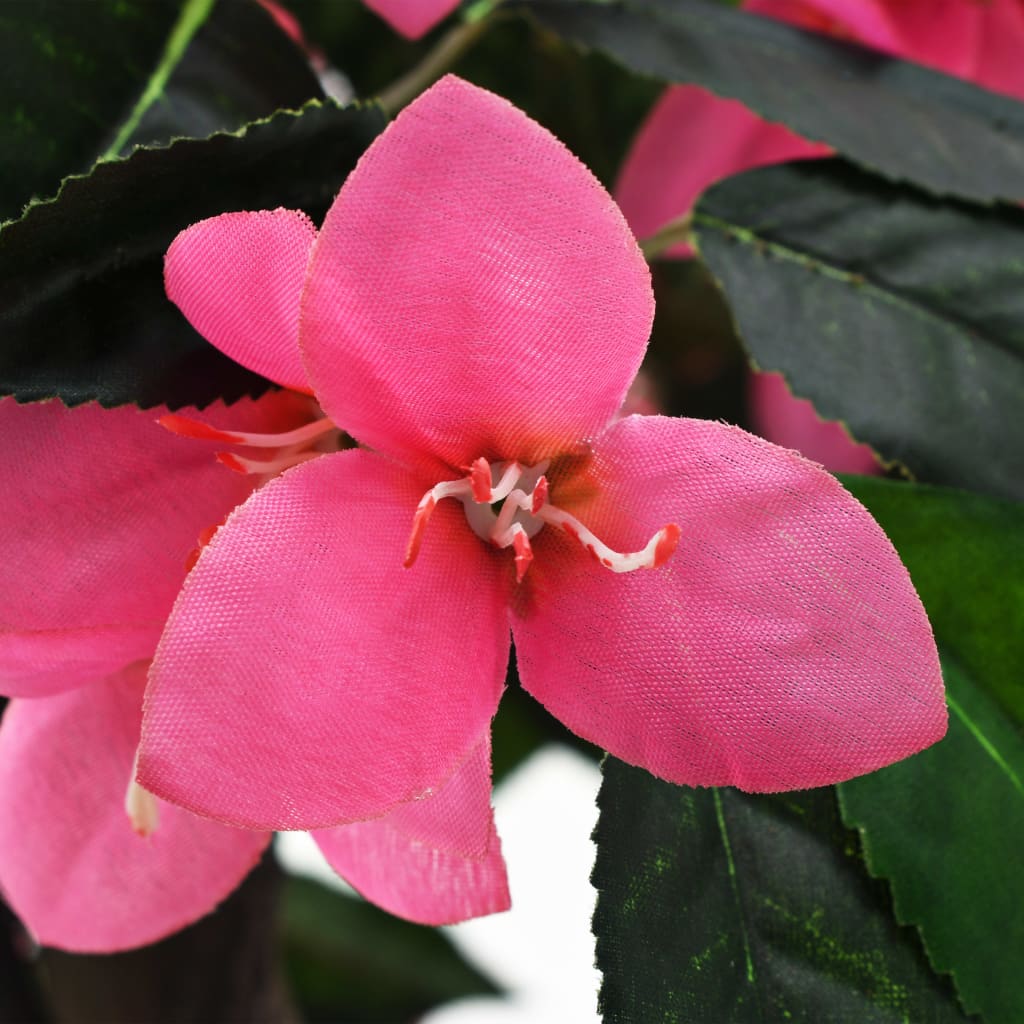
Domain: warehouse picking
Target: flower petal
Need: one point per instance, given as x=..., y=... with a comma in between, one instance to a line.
x=781, y=647
x=474, y=290
x=102, y=508
x=435, y=861
x=690, y=140
x=70, y=865
x=412, y=18
x=238, y=278
x=778, y=415
x=305, y=678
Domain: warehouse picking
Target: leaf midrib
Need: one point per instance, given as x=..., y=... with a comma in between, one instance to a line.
x=853, y=279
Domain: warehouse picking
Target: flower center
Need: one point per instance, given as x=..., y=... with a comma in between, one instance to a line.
x=508, y=504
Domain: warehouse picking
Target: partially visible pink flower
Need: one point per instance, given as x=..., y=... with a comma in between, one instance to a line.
x=103, y=513
x=413, y=18
x=102, y=510
x=691, y=139
x=474, y=310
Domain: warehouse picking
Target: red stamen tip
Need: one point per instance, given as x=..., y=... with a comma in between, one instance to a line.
x=419, y=526
x=480, y=480
x=524, y=555
x=666, y=545
x=185, y=427
x=540, y=495
x=229, y=460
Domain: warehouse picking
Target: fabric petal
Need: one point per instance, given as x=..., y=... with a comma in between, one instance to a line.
x=474, y=290
x=70, y=865
x=781, y=647
x=779, y=416
x=102, y=508
x=238, y=279
x=306, y=679
x=434, y=861
x=413, y=18
x=690, y=140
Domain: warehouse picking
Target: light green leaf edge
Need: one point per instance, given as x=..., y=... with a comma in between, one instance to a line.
x=237, y=134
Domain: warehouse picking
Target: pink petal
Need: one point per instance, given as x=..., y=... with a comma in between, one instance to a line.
x=102, y=508
x=415, y=862
x=412, y=17
x=474, y=290
x=306, y=679
x=690, y=140
x=793, y=423
x=238, y=278
x=70, y=865
x=781, y=647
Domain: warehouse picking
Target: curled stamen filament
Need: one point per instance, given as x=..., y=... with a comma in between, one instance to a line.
x=240, y=464
x=653, y=555
x=424, y=510
x=186, y=427
x=292, y=446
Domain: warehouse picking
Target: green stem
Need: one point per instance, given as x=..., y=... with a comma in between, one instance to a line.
x=451, y=47
x=675, y=231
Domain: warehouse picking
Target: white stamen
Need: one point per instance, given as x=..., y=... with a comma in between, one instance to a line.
x=524, y=513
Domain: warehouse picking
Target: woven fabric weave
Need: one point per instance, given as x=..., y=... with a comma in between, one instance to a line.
x=781, y=647
x=306, y=679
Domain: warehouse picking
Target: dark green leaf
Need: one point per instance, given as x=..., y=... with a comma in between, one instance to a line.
x=898, y=314
x=350, y=962
x=946, y=827
x=83, y=313
x=82, y=80
x=239, y=67
x=70, y=73
x=905, y=121
x=719, y=906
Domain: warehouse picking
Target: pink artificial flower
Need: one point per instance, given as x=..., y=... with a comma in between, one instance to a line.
x=473, y=310
x=692, y=139
x=103, y=515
